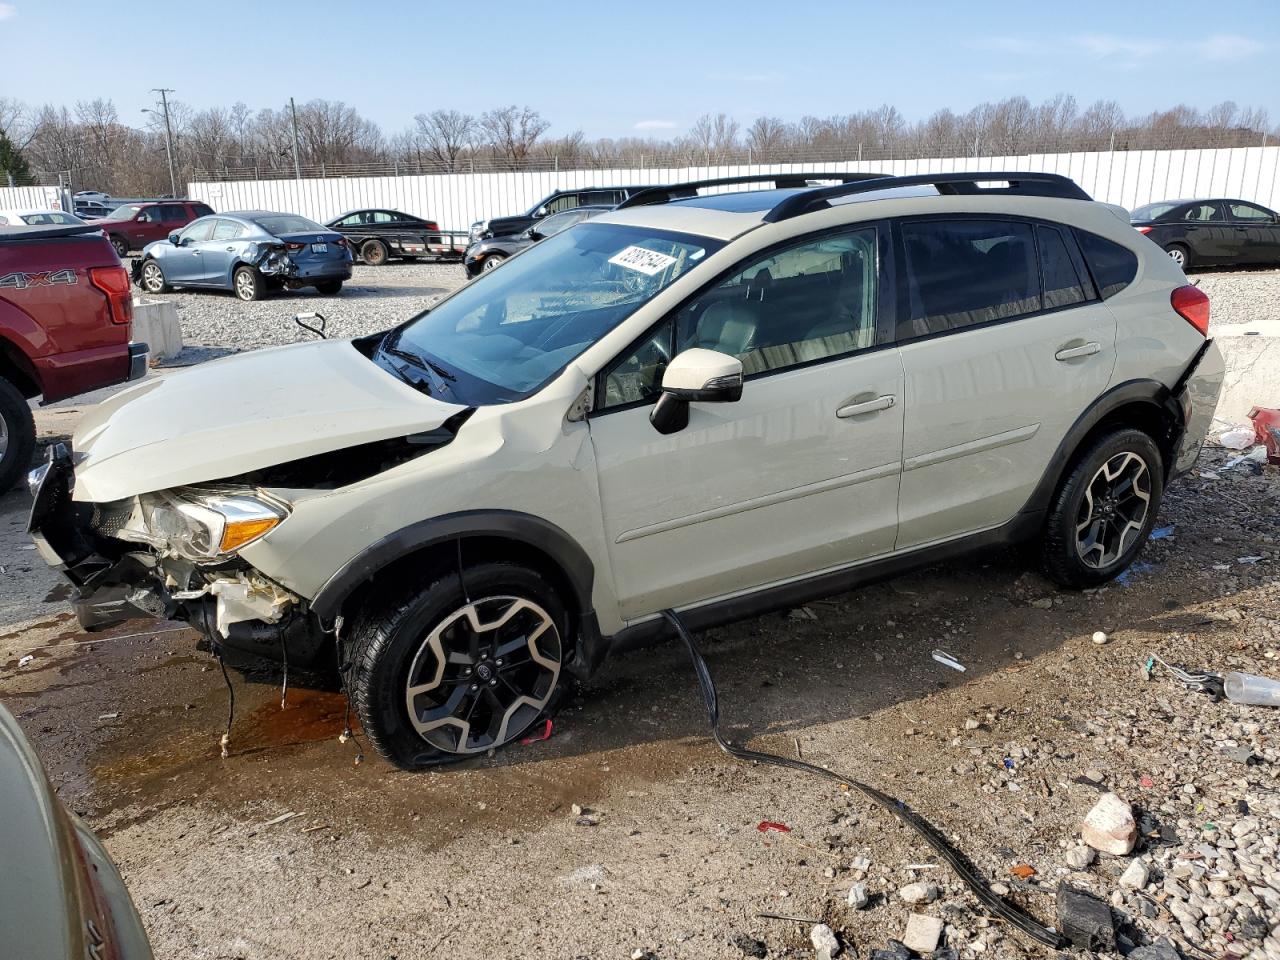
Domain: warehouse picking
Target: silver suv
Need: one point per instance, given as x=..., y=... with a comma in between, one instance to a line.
x=717, y=403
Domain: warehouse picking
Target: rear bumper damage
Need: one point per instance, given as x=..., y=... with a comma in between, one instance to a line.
x=238, y=610
x=1196, y=395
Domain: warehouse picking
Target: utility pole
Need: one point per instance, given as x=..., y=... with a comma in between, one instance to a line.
x=168, y=138
x=297, y=168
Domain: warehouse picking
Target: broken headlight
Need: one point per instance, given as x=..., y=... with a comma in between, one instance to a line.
x=202, y=525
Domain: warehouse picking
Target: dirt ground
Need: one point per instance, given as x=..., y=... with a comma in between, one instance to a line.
x=495, y=858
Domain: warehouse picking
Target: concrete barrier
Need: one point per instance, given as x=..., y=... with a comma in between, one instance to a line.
x=155, y=322
x=1252, y=355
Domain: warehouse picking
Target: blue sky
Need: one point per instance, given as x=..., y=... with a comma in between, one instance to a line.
x=642, y=69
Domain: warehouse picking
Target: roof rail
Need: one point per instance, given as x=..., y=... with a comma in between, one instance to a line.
x=1019, y=183
x=678, y=191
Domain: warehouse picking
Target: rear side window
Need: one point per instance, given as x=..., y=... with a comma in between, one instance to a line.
x=1063, y=285
x=226, y=230
x=960, y=273
x=173, y=213
x=1113, y=266
x=201, y=209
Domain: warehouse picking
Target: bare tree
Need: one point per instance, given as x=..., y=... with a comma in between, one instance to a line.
x=511, y=132
x=445, y=135
x=714, y=135
x=767, y=137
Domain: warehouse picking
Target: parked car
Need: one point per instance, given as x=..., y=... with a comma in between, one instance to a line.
x=65, y=321
x=37, y=218
x=720, y=405
x=378, y=235
x=1205, y=232
x=60, y=894
x=92, y=210
x=556, y=202
x=487, y=254
x=134, y=225
x=248, y=253
x=90, y=196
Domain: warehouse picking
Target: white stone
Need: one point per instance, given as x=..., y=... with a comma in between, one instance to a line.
x=1079, y=858
x=1109, y=827
x=1135, y=875
x=923, y=933
x=921, y=892
x=858, y=897
x=1099, y=637
x=824, y=941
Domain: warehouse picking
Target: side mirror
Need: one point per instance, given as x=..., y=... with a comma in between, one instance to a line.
x=175, y=239
x=532, y=234
x=695, y=375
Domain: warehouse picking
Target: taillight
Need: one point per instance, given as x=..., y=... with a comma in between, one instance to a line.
x=1143, y=229
x=114, y=282
x=432, y=225
x=341, y=241
x=1192, y=304
x=294, y=246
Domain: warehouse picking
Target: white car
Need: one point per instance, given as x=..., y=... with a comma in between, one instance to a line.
x=36, y=218
x=719, y=405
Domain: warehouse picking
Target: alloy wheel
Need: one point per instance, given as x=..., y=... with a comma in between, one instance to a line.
x=492, y=263
x=1177, y=255
x=1114, y=510
x=244, y=285
x=483, y=674
x=4, y=437
x=152, y=278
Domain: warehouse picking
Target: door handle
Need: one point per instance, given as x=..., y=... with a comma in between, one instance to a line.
x=231, y=249
x=1081, y=350
x=866, y=406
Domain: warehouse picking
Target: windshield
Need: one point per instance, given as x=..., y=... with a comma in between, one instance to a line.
x=1151, y=211
x=504, y=335
x=126, y=212
x=288, y=223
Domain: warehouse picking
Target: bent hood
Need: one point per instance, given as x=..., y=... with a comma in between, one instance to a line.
x=243, y=413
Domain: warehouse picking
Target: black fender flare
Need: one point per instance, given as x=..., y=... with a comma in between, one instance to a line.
x=1148, y=392
x=525, y=528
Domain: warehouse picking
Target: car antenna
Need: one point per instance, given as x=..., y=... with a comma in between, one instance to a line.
x=304, y=320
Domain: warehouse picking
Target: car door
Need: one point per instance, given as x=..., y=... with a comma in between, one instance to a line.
x=1208, y=233
x=184, y=263
x=1004, y=343
x=219, y=252
x=1260, y=229
x=800, y=474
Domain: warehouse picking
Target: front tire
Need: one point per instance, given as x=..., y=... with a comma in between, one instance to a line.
x=17, y=435
x=329, y=287
x=248, y=284
x=439, y=673
x=374, y=253
x=492, y=262
x=1179, y=254
x=1104, y=510
x=153, y=280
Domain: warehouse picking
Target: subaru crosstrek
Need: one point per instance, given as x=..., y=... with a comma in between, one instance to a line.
x=717, y=404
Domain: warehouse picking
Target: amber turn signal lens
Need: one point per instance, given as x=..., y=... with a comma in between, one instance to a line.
x=236, y=534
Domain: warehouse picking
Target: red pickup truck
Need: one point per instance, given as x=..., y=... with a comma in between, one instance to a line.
x=66, y=314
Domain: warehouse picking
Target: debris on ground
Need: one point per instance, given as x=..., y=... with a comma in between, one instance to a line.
x=858, y=897
x=1135, y=875
x=1162, y=949
x=1163, y=533
x=1109, y=827
x=825, y=942
x=1237, y=438
x=545, y=734
x=920, y=892
x=923, y=933
x=947, y=660
x=1079, y=857
x=1100, y=637
x=281, y=819
x=23, y=661
x=1084, y=919
x=764, y=826
x=1246, y=688
x=750, y=946
x=802, y=613
x=1266, y=430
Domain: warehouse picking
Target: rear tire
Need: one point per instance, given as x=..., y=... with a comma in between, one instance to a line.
x=17, y=435
x=121, y=245
x=1103, y=512
x=248, y=283
x=420, y=643
x=1180, y=254
x=329, y=287
x=374, y=253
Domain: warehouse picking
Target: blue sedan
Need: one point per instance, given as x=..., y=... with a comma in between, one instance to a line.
x=248, y=253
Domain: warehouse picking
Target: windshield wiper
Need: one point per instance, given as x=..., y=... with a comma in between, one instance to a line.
x=437, y=377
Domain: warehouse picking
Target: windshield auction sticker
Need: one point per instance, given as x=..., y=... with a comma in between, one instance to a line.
x=648, y=262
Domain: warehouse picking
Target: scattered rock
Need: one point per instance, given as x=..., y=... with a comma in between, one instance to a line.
x=972, y=724
x=1042, y=603
x=1162, y=949
x=923, y=933
x=1135, y=875
x=1099, y=637
x=750, y=946
x=1084, y=919
x=858, y=897
x=825, y=942
x=920, y=892
x=1109, y=827
x=1079, y=857
x=896, y=950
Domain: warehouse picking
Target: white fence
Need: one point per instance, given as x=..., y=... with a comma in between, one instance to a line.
x=1127, y=178
x=33, y=198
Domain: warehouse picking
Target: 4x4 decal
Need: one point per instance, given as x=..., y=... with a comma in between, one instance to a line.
x=21, y=281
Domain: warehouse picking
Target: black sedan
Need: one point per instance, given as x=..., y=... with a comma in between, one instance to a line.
x=1205, y=232
x=487, y=254
x=378, y=235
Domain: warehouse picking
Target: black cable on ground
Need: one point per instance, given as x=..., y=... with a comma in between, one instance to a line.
x=957, y=860
x=225, y=743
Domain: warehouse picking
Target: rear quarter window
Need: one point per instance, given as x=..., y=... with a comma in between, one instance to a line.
x=1113, y=266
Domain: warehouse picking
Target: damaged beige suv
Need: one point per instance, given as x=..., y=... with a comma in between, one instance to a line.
x=715, y=400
